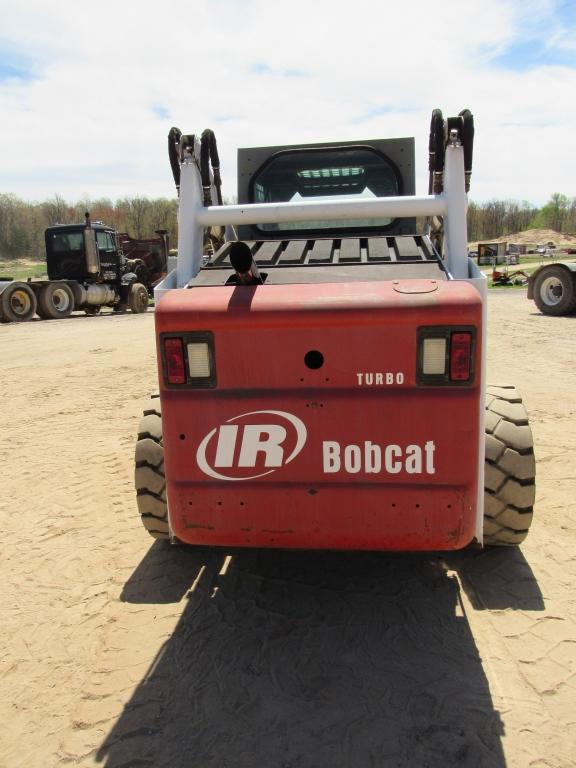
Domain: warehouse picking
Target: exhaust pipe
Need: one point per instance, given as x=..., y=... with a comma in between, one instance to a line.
x=90, y=247
x=244, y=265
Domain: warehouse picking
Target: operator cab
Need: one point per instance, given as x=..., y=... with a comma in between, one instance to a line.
x=321, y=251
x=324, y=172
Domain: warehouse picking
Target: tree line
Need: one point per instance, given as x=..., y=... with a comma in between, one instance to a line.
x=22, y=223
x=496, y=218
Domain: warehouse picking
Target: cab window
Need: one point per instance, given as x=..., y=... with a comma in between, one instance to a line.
x=64, y=242
x=348, y=173
x=104, y=241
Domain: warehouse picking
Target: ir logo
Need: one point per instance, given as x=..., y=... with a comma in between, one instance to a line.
x=267, y=440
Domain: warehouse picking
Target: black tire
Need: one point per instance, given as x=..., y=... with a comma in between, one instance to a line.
x=138, y=298
x=55, y=301
x=510, y=469
x=17, y=303
x=555, y=291
x=149, y=474
x=93, y=309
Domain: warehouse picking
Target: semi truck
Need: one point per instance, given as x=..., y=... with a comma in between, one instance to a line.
x=322, y=376
x=89, y=266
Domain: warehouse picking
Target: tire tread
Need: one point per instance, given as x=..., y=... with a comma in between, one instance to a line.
x=510, y=469
x=149, y=477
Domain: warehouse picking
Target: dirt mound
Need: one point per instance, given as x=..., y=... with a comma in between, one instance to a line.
x=534, y=237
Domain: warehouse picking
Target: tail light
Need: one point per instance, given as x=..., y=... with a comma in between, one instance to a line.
x=460, y=356
x=434, y=356
x=446, y=356
x=188, y=360
x=175, y=363
x=198, y=359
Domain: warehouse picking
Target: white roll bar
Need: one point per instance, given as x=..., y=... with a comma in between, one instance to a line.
x=193, y=217
x=335, y=210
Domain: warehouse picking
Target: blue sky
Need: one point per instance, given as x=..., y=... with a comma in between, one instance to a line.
x=549, y=43
x=11, y=71
x=87, y=99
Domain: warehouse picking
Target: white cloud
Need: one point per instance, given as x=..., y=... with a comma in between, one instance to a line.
x=108, y=83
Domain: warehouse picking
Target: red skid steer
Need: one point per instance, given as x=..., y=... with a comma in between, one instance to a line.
x=322, y=369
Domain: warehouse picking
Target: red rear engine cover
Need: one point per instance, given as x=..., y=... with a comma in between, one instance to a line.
x=351, y=455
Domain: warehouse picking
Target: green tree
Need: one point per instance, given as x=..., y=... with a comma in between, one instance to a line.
x=555, y=214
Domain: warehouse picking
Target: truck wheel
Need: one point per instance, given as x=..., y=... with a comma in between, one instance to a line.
x=555, y=291
x=510, y=468
x=17, y=303
x=138, y=298
x=55, y=301
x=149, y=475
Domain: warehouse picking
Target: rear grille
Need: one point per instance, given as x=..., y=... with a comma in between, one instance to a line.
x=349, y=251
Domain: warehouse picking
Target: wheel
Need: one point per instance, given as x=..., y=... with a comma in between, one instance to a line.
x=555, y=291
x=149, y=474
x=93, y=309
x=17, y=303
x=510, y=468
x=55, y=301
x=138, y=298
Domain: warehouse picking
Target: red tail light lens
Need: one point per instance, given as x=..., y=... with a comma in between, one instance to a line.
x=188, y=359
x=175, y=363
x=446, y=355
x=460, y=356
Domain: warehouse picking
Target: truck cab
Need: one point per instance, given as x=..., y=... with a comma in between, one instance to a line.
x=78, y=252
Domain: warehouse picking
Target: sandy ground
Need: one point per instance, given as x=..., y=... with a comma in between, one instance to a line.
x=118, y=651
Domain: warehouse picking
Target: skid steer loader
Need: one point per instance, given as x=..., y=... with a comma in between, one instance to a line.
x=322, y=369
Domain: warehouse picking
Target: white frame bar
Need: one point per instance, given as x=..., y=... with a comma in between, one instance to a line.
x=371, y=208
x=193, y=217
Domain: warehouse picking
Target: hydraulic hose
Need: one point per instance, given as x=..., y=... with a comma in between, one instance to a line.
x=467, y=136
x=209, y=158
x=174, y=136
x=436, y=156
x=436, y=151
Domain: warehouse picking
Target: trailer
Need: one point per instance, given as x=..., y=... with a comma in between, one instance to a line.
x=491, y=253
x=553, y=288
x=89, y=266
x=322, y=375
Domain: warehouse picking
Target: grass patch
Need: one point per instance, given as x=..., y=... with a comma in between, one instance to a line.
x=21, y=269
